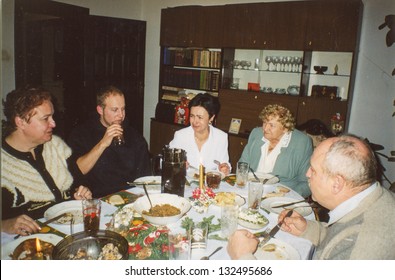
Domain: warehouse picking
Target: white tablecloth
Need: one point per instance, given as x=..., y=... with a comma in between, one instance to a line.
x=303, y=246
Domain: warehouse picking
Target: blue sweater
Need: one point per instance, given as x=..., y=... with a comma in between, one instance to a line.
x=291, y=164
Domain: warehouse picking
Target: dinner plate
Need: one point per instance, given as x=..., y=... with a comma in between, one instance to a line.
x=8, y=248
x=238, y=198
x=262, y=176
x=150, y=179
x=303, y=208
x=283, y=251
x=252, y=220
x=73, y=207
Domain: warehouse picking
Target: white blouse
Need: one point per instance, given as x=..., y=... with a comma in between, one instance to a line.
x=268, y=160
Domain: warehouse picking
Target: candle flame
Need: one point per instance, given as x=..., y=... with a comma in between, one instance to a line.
x=38, y=245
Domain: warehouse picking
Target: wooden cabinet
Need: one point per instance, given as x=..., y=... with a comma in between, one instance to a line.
x=282, y=26
x=247, y=106
x=192, y=26
x=236, y=146
x=319, y=108
x=332, y=25
x=161, y=134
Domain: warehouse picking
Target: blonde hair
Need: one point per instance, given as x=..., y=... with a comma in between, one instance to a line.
x=284, y=115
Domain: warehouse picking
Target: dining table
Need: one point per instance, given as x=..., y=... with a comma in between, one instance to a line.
x=304, y=247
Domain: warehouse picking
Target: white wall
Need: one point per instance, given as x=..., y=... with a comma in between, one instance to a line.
x=374, y=90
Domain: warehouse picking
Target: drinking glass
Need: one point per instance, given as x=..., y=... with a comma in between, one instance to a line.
x=91, y=209
x=118, y=140
x=242, y=174
x=229, y=219
x=179, y=245
x=268, y=60
x=255, y=191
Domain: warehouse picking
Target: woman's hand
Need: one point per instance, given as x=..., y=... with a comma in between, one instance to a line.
x=22, y=225
x=224, y=168
x=82, y=193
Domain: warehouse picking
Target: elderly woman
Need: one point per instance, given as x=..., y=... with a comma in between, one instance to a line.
x=202, y=142
x=280, y=149
x=35, y=172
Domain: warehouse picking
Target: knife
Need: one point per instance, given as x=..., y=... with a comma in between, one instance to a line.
x=46, y=222
x=289, y=204
x=268, y=235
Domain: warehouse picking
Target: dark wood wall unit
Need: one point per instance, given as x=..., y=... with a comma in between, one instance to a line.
x=247, y=106
x=332, y=25
x=318, y=32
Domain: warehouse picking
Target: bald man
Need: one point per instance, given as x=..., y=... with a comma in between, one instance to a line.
x=342, y=178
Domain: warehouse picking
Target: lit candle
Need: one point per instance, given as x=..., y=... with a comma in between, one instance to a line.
x=39, y=255
x=201, y=176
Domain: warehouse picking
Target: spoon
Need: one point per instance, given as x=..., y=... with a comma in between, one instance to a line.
x=215, y=251
x=146, y=192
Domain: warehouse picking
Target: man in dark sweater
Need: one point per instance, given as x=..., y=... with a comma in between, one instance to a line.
x=107, y=166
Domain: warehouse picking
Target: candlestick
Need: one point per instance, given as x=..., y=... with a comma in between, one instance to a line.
x=38, y=256
x=201, y=177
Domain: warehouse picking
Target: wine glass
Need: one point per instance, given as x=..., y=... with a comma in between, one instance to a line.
x=276, y=60
x=248, y=64
x=268, y=60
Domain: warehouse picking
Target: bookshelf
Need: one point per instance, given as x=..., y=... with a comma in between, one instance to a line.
x=187, y=71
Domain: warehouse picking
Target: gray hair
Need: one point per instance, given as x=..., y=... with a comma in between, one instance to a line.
x=346, y=158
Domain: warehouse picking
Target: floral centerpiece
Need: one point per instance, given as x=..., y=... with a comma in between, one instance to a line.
x=202, y=196
x=146, y=241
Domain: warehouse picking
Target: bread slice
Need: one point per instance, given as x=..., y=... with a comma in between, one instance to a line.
x=116, y=199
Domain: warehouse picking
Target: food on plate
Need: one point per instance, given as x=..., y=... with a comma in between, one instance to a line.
x=116, y=199
x=27, y=250
x=223, y=198
x=282, y=189
x=252, y=219
x=162, y=210
x=269, y=247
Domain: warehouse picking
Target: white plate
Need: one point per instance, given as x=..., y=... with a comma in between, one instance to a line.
x=238, y=199
x=73, y=207
x=263, y=176
x=303, y=208
x=250, y=219
x=8, y=248
x=283, y=251
x=150, y=179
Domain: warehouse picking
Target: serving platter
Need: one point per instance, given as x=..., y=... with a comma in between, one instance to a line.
x=72, y=207
x=282, y=251
x=303, y=208
x=7, y=249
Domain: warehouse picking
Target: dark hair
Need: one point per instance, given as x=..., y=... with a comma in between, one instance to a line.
x=21, y=103
x=207, y=101
x=105, y=92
